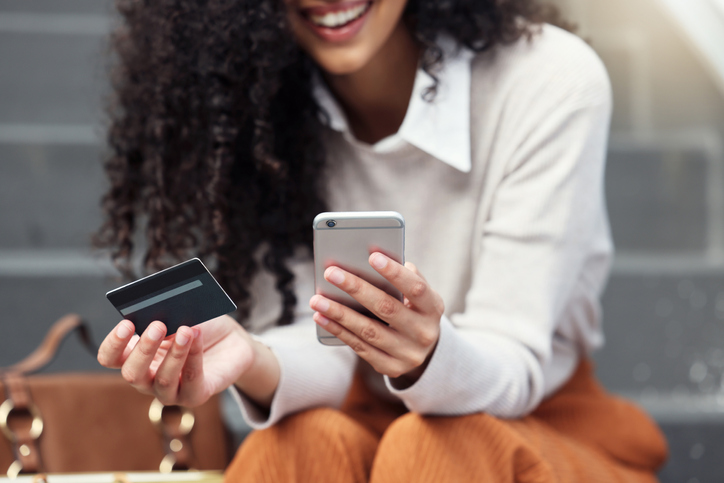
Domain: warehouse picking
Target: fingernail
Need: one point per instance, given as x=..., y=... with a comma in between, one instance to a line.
x=197, y=332
x=122, y=331
x=154, y=333
x=321, y=319
x=182, y=338
x=379, y=261
x=335, y=276
x=320, y=303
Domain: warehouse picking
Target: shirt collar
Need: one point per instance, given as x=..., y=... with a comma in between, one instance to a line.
x=441, y=128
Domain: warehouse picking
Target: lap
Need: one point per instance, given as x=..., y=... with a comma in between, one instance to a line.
x=580, y=434
x=480, y=447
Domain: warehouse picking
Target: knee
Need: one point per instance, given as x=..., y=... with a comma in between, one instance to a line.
x=415, y=433
x=308, y=431
x=415, y=427
x=407, y=427
x=436, y=448
x=404, y=450
x=319, y=424
x=406, y=435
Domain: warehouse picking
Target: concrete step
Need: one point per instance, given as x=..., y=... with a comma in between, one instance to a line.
x=49, y=195
x=695, y=452
x=665, y=333
x=657, y=200
x=55, y=6
x=52, y=79
x=664, y=350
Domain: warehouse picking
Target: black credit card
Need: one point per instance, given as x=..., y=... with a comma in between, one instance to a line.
x=185, y=294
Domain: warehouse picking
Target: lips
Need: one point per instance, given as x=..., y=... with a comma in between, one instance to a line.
x=338, y=22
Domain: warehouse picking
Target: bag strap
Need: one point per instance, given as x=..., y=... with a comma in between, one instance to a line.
x=48, y=349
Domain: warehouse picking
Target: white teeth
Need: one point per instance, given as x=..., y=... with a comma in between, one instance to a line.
x=333, y=20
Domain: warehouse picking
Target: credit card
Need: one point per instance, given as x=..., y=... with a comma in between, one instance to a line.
x=185, y=294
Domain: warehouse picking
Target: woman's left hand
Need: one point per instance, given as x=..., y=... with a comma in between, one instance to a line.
x=400, y=350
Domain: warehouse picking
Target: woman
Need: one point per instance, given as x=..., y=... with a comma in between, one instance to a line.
x=239, y=121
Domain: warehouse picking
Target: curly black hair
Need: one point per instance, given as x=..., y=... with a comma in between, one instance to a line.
x=216, y=137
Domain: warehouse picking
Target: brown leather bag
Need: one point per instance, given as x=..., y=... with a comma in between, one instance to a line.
x=81, y=422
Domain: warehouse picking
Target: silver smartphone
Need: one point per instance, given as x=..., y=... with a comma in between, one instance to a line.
x=346, y=240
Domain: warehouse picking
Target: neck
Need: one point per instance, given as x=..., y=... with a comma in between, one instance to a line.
x=375, y=98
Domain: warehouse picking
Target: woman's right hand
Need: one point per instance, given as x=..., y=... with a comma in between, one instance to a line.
x=192, y=365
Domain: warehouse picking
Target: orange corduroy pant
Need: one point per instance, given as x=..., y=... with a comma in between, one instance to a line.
x=580, y=434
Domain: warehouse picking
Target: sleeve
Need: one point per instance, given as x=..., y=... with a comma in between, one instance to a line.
x=544, y=236
x=311, y=374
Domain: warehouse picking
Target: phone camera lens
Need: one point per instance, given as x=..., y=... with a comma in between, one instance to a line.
x=331, y=223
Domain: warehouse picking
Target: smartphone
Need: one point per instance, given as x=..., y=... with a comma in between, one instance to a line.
x=346, y=240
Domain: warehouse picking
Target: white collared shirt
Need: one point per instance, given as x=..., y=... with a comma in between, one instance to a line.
x=440, y=128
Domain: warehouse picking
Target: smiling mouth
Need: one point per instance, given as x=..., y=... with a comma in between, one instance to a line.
x=338, y=18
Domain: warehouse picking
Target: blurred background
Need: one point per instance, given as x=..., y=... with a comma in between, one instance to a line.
x=664, y=305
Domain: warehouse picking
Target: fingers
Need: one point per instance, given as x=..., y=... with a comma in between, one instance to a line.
x=400, y=349
x=136, y=369
x=408, y=281
x=191, y=391
x=115, y=348
x=380, y=303
x=364, y=328
x=382, y=362
x=166, y=381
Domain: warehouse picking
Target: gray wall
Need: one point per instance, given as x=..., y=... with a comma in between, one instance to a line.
x=664, y=306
